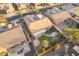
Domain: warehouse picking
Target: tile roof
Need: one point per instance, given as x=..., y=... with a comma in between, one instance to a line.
x=40, y=24
x=11, y=38
x=61, y=16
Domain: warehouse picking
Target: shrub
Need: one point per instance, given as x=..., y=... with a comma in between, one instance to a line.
x=45, y=41
x=77, y=26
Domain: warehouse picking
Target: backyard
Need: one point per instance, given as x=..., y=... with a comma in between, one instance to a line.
x=73, y=35
x=49, y=39
x=68, y=23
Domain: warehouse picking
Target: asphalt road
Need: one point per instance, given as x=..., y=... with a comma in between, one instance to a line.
x=31, y=12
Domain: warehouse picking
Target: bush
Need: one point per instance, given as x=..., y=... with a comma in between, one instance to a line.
x=3, y=54
x=45, y=41
x=77, y=26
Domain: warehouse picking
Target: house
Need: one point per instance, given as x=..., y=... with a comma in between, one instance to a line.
x=37, y=22
x=76, y=11
x=11, y=38
x=40, y=25
x=22, y=7
x=11, y=10
x=68, y=7
x=60, y=17
x=43, y=5
x=8, y=8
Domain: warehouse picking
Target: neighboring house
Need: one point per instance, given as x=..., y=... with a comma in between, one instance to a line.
x=76, y=11
x=10, y=11
x=50, y=11
x=2, y=11
x=68, y=7
x=60, y=17
x=43, y=5
x=22, y=7
x=15, y=42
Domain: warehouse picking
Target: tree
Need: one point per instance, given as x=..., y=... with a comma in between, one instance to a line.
x=72, y=34
x=36, y=11
x=61, y=37
x=68, y=31
x=76, y=34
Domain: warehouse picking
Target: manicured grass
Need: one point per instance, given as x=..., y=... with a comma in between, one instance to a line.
x=43, y=37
